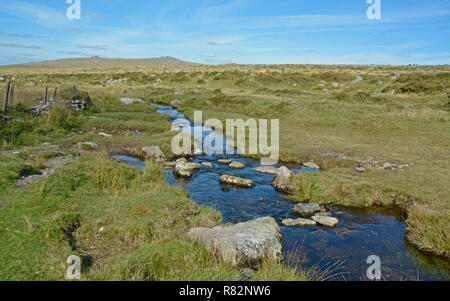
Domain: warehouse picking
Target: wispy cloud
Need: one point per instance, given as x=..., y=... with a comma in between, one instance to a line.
x=18, y=45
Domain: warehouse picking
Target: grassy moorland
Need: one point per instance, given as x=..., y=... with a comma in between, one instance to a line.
x=324, y=117
x=124, y=223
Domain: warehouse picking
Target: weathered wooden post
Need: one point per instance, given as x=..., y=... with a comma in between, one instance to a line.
x=73, y=92
x=45, y=96
x=54, y=94
x=11, y=97
x=5, y=104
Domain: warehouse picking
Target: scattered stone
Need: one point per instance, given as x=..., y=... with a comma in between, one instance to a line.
x=323, y=214
x=326, y=221
x=178, y=93
x=245, y=244
x=81, y=102
x=360, y=169
x=282, y=180
x=237, y=165
x=153, y=152
x=2, y=79
x=392, y=92
x=181, y=170
x=176, y=101
x=311, y=165
x=87, y=145
x=299, y=222
x=395, y=76
x=387, y=166
x=129, y=101
x=336, y=85
x=193, y=166
x=207, y=164
x=358, y=79
x=233, y=180
x=105, y=135
x=224, y=161
x=380, y=83
x=306, y=209
x=267, y=169
x=101, y=229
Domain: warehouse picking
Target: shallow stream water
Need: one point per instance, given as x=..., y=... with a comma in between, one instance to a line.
x=342, y=250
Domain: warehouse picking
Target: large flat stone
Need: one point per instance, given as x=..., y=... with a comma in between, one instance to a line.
x=245, y=244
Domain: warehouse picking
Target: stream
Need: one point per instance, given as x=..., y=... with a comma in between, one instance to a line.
x=343, y=250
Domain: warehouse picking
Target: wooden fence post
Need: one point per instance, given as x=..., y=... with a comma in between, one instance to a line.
x=73, y=92
x=11, y=97
x=5, y=104
x=45, y=96
x=54, y=94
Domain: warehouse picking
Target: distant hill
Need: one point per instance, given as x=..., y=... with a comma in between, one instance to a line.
x=107, y=62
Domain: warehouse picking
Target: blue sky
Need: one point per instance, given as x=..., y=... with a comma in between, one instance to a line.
x=229, y=31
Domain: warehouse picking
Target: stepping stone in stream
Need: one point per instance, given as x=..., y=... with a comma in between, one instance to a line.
x=299, y=222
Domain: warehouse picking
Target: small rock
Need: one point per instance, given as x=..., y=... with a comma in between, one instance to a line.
x=387, y=166
x=299, y=222
x=336, y=85
x=360, y=169
x=326, y=220
x=101, y=229
x=267, y=169
x=237, y=165
x=193, y=166
x=129, y=101
x=207, y=164
x=233, y=180
x=358, y=79
x=181, y=170
x=380, y=83
x=224, y=161
x=323, y=214
x=87, y=145
x=105, y=135
x=311, y=165
x=395, y=77
x=306, y=209
x=153, y=152
x=282, y=181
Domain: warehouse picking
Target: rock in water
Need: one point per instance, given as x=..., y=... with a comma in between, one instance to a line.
x=207, y=164
x=325, y=220
x=306, y=209
x=224, y=161
x=299, y=222
x=245, y=244
x=237, y=165
x=311, y=165
x=153, y=152
x=181, y=170
x=193, y=166
x=232, y=180
x=267, y=169
x=282, y=181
